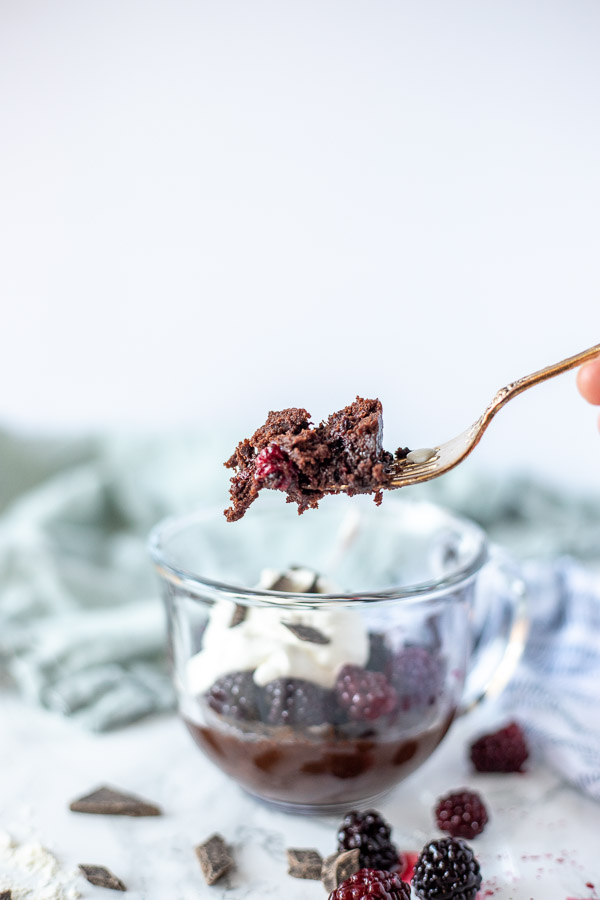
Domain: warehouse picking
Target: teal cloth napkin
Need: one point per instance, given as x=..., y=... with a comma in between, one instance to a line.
x=81, y=624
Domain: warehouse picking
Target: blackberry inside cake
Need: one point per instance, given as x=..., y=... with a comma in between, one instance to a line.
x=290, y=454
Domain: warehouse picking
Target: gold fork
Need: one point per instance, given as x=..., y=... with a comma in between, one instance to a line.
x=443, y=458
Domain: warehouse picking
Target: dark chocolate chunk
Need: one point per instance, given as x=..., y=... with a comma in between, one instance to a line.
x=304, y=864
x=307, y=633
x=107, y=802
x=5, y=895
x=101, y=877
x=313, y=587
x=239, y=614
x=214, y=857
x=284, y=585
x=296, y=580
x=338, y=867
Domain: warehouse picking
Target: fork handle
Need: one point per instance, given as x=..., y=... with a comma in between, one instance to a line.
x=522, y=384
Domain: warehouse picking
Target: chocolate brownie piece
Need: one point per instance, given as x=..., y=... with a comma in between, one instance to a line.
x=304, y=461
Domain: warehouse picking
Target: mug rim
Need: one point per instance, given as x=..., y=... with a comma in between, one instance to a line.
x=420, y=592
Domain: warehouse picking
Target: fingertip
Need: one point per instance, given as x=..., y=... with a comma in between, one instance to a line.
x=588, y=382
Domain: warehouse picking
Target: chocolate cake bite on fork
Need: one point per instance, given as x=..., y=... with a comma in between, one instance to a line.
x=288, y=453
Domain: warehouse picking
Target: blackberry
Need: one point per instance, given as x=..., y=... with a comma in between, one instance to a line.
x=369, y=833
x=295, y=702
x=372, y=884
x=503, y=751
x=235, y=695
x=461, y=814
x=447, y=870
x=417, y=676
x=364, y=695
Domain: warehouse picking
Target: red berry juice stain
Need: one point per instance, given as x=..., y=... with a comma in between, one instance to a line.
x=408, y=862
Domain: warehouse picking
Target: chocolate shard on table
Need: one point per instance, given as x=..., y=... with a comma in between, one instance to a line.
x=214, y=857
x=306, y=864
x=107, y=802
x=102, y=877
x=338, y=867
x=288, y=453
x=5, y=895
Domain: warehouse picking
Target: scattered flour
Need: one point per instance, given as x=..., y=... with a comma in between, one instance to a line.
x=31, y=872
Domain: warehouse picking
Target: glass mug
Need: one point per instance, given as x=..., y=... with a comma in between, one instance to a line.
x=315, y=702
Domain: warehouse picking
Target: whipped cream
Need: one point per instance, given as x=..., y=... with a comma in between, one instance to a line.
x=264, y=643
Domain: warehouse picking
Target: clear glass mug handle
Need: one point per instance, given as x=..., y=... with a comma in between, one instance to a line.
x=499, y=626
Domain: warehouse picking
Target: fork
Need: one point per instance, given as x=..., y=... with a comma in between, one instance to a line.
x=439, y=460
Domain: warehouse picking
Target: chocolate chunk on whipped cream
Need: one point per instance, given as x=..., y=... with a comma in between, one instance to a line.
x=239, y=614
x=288, y=453
x=306, y=633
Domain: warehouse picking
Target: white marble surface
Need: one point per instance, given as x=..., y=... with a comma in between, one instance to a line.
x=541, y=842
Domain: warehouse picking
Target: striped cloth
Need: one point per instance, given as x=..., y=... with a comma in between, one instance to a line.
x=555, y=693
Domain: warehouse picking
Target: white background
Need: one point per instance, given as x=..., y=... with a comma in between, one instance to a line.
x=212, y=209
